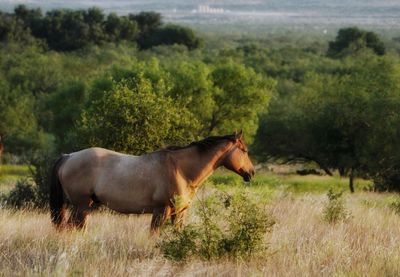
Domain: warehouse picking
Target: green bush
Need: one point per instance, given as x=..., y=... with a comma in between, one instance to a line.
x=180, y=244
x=395, y=206
x=335, y=209
x=24, y=195
x=34, y=191
x=41, y=165
x=246, y=227
x=239, y=237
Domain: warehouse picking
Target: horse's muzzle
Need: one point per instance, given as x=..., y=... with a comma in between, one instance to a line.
x=247, y=175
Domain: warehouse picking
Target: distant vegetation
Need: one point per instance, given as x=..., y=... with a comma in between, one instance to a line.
x=78, y=78
x=67, y=30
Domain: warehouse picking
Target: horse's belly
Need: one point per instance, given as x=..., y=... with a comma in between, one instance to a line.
x=131, y=199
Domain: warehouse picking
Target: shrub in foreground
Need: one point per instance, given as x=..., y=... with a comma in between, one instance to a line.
x=33, y=191
x=335, y=209
x=239, y=236
x=23, y=195
x=395, y=206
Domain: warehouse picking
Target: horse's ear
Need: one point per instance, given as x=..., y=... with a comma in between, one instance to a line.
x=239, y=135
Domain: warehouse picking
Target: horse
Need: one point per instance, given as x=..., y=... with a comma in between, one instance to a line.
x=150, y=183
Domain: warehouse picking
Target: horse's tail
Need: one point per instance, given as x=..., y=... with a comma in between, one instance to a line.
x=57, y=204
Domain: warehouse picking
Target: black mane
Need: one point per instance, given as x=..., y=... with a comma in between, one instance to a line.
x=204, y=144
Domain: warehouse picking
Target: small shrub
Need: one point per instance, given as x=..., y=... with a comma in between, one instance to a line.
x=241, y=235
x=22, y=196
x=41, y=165
x=209, y=231
x=32, y=192
x=335, y=209
x=246, y=228
x=180, y=244
x=395, y=206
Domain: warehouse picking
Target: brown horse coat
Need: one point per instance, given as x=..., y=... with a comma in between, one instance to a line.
x=142, y=184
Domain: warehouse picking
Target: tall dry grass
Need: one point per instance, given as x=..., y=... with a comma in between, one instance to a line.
x=301, y=244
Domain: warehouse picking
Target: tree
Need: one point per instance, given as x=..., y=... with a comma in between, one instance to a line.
x=240, y=95
x=134, y=117
x=62, y=109
x=169, y=35
x=192, y=87
x=342, y=122
x=66, y=30
x=18, y=125
x=147, y=21
x=350, y=40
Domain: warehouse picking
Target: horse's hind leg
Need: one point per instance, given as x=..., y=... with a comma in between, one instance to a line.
x=79, y=213
x=78, y=217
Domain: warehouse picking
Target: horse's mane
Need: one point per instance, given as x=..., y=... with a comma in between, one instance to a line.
x=204, y=144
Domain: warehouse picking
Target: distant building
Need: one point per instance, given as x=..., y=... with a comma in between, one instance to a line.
x=208, y=9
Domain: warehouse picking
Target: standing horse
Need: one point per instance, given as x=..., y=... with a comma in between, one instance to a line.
x=142, y=184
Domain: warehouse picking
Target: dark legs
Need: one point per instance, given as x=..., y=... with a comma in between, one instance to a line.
x=78, y=217
x=160, y=216
x=79, y=213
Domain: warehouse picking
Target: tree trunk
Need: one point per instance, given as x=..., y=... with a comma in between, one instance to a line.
x=351, y=179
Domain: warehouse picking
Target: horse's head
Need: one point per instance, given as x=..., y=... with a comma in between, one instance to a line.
x=237, y=159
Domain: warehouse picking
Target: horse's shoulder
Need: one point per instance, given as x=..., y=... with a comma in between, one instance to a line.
x=161, y=156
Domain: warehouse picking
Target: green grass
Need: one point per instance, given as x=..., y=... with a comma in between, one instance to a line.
x=10, y=173
x=266, y=182
x=289, y=182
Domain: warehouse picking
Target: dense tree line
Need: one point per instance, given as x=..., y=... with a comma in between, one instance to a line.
x=331, y=103
x=66, y=30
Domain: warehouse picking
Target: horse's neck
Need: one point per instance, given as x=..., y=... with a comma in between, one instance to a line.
x=196, y=166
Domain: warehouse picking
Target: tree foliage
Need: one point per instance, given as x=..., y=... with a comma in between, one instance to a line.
x=351, y=40
x=134, y=117
x=343, y=122
x=67, y=30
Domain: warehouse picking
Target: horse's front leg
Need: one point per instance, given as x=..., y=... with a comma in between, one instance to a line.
x=160, y=215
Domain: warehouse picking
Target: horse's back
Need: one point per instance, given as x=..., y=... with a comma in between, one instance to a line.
x=86, y=161
x=82, y=169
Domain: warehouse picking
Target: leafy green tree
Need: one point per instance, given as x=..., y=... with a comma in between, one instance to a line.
x=341, y=122
x=147, y=21
x=169, y=35
x=192, y=87
x=350, y=40
x=66, y=30
x=240, y=95
x=62, y=109
x=134, y=117
x=94, y=18
x=18, y=125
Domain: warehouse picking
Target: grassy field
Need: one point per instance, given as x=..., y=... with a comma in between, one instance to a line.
x=301, y=243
